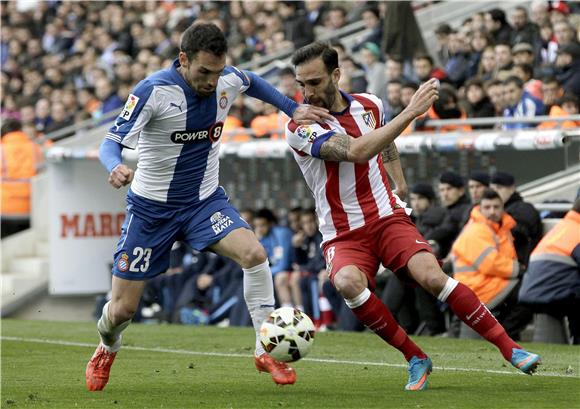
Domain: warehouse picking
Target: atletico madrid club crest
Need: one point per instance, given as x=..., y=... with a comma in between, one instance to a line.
x=369, y=119
x=123, y=263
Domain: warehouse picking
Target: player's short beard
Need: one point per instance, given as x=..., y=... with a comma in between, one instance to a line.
x=329, y=96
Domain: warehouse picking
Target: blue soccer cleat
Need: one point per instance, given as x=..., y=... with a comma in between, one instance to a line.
x=525, y=361
x=419, y=370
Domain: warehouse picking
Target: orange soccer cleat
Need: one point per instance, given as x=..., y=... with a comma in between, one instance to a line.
x=98, y=368
x=282, y=374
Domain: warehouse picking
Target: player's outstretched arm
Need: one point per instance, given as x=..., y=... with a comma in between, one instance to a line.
x=341, y=147
x=301, y=114
x=111, y=158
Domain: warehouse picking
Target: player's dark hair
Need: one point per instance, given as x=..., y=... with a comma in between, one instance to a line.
x=490, y=194
x=315, y=50
x=514, y=80
x=203, y=37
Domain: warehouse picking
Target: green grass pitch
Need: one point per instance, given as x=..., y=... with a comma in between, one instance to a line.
x=167, y=366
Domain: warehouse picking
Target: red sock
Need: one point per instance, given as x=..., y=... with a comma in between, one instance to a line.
x=474, y=313
x=377, y=317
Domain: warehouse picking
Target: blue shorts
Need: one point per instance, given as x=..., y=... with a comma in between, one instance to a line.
x=151, y=228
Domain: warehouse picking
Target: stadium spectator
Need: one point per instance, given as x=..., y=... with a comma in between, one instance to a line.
x=394, y=103
x=453, y=198
x=564, y=33
x=551, y=284
x=295, y=219
x=504, y=60
x=42, y=112
x=424, y=69
x=549, y=46
x=487, y=65
x=480, y=40
x=477, y=182
x=568, y=67
x=357, y=76
x=311, y=266
x=528, y=230
x=21, y=158
x=523, y=53
x=478, y=103
x=394, y=69
x=335, y=18
x=374, y=68
x=108, y=97
x=497, y=25
x=277, y=241
x=524, y=31
x=532, y=86
x=446, y=107
x=539, y=12
x=565, y=106
x=442, y=33
x=484, y=256
x=458, y=65
x=495, y=91
x=372, y=21
x=520, y=104
x=287, y=84
x=551, y=91
x=426, y=214
x=297, y=28
x=60, y=119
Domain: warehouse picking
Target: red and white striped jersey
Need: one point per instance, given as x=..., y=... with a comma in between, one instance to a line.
x=347, y=195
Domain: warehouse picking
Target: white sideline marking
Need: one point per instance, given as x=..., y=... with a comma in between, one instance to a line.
x=233, y=355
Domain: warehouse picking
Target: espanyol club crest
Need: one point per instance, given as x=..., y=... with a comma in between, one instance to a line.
x=223, y=101
x=369, y=119
x=123, y=263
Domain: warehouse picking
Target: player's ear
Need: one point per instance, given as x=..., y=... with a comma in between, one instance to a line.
x=335, y=75
x=183, y=60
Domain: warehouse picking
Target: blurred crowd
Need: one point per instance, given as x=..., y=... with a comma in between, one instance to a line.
x=66, y=61
x=507, y=263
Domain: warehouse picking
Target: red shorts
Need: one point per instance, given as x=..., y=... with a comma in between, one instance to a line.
x=392, y=241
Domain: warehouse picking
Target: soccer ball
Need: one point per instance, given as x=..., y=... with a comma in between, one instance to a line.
x=287, y=335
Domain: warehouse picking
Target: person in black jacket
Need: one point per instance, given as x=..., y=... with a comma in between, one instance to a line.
x=416, y=310
x=478, y=104
x=452, y=195
x=528, y=230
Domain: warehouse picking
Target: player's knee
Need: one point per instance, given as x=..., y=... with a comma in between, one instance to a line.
x=121, y=312
x=349, y=283
x=253, y=256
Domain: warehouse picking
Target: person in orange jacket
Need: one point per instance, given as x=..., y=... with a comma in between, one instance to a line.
x=566, y=106
x=551, y=284
x=485, y=260
x=484, y=256
x=20, y=159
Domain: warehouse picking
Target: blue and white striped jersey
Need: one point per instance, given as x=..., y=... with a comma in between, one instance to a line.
x=177, y=133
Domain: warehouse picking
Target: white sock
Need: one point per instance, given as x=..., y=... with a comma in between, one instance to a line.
x=359, y=299
x=448, y=288
x=259, y=296
x=110, y=334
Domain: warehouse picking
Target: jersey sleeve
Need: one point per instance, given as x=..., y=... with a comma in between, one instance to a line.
x=239, y=80
x=136, y=113
x=307, y=138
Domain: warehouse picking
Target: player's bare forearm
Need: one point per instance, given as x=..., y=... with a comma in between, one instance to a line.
x=390, y=153
x=395, y=171
x=336, y=148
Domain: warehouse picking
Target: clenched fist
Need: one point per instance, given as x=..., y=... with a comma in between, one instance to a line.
x=121, y=176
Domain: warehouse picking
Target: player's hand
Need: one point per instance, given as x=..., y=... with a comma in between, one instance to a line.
x=424, y=97
x=401, y=191
x=308, y=114
x=121, y=176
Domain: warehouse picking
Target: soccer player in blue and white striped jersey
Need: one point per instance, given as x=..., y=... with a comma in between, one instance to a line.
x=175, y=118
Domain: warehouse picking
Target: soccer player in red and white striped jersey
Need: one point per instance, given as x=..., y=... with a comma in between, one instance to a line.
x=363, y=222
